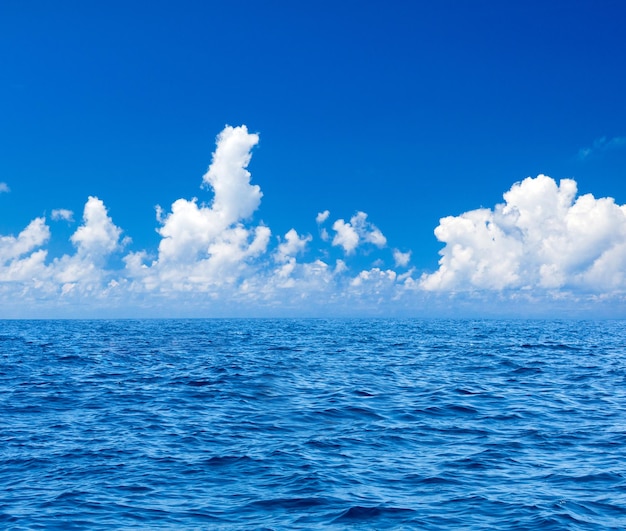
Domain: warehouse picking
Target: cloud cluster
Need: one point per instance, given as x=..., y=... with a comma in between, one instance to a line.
x=541, y=237
x=26, y=272
x=20, y=256
x=213, y=258
x=349, y=235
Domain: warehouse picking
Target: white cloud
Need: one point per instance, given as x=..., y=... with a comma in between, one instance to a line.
x=95, y=240
x=347, y=236
x=30, y=270
x=24, y=269
x=235, y=198
x=209, y=245
x=209, y=253
x=98, y=236
x=375, y=275
x=543, y=243
x=62, y=214
x=4, y=188
x=21, y=260
x=322, y=216
x=350, y=234
x=190, y=230
x=33, y=236
x=601, y=145
x=401, y=259
x=291, y=246
x=541, y=237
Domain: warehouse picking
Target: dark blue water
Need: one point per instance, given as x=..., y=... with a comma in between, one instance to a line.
x=304, y=424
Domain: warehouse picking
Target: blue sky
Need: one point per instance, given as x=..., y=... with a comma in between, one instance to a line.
x=408, y=112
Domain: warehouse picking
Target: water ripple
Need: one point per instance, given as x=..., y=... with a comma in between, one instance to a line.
x=304, y=424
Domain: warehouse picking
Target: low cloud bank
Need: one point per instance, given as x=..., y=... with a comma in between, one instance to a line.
x=543, y=243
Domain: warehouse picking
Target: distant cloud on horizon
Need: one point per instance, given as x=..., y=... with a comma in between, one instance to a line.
x=542, y=244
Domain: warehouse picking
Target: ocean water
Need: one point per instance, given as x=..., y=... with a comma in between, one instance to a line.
x=312, y=424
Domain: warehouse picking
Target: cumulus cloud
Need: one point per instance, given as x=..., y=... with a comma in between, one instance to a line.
x=206, y=245
x=4, y=188
x=62, y=214
x=96, y=239
x=401, y=259
x=358, y=230
x=234, y=197
x=541, y=237
x=375, y=275
x=24, y=265
x=98, y=236
x=292, y=245
x=191, y=230
x=32, y=237
x=346, y=236
x=601, y=145
x=322, y=216
x=213, y=258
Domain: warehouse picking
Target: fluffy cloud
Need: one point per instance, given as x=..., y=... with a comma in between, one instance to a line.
x=25, y=270
x=543, y=243
x=95, y=240
x=234, y=197
x=292, y=245
x=98, y=236
x=541, y=237
x=401, y=259
x=350, y=235
x=322, y=216
x=346, y=236
x=33, y=236
x=21, y=260
x=206, y=245
x=190, y=229
x=4, y=188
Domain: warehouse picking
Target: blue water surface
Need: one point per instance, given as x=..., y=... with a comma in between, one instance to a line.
x=307, y=424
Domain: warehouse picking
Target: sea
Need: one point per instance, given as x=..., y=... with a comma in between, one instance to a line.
x=281, y=424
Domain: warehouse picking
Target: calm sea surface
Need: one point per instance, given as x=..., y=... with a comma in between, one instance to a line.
x=307, y=424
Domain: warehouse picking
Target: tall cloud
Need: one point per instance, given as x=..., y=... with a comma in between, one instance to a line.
x=542, y=236
x=190, y=229
x=95, y=240
x=98, y=236
x=235, y=198
x=208, y=244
